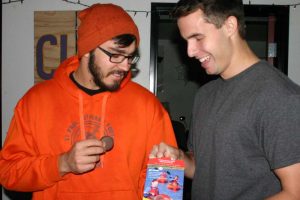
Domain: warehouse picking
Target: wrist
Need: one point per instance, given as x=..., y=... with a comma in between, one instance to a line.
x=62, y=165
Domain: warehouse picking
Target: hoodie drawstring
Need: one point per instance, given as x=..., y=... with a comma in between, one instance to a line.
x=81, y=118
x=102, y=122
x=103, y=110
x=102, y=126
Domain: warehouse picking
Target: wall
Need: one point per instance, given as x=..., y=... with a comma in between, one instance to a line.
x=18, y=42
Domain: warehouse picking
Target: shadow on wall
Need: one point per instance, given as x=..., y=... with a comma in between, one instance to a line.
x=12, y=195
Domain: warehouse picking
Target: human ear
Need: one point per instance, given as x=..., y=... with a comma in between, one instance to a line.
x=231, y=25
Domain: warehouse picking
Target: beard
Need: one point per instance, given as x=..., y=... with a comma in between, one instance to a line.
x=98, y=76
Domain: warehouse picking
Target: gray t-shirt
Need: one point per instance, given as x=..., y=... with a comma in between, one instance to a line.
x=242, y=129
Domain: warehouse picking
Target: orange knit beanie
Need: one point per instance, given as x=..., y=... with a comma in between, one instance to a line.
x=100, y=23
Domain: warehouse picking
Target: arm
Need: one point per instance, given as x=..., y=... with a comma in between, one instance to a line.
x=281, y=121
x=164, y=150
x=21, y=162
x=290, y=180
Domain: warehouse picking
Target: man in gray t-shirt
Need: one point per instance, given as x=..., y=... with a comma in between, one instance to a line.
x=244, y=140
x=242, y=131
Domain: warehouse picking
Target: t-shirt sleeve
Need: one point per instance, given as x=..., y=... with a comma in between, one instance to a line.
x=281, y=131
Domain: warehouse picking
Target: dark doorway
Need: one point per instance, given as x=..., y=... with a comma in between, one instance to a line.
x=268, y=27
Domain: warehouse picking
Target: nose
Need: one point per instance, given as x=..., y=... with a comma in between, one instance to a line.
x=191, y=50
x=125, y=65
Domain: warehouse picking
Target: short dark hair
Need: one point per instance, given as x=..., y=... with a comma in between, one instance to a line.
x=216, y=11
x=124, y=40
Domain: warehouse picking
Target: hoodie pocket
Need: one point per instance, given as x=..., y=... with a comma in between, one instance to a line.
x=110, y=181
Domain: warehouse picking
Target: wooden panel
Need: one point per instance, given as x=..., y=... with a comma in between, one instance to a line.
x=54, y=39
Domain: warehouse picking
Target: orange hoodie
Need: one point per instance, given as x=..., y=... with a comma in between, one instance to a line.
x=54, y=114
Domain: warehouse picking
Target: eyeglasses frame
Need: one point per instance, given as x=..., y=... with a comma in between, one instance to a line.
x=134, y=58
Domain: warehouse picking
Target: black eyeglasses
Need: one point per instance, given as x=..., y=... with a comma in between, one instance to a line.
x=118, y=58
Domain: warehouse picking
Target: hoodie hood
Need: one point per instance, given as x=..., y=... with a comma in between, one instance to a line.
x=61, y=76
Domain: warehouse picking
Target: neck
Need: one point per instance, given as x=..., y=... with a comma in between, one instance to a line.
x=243, y=58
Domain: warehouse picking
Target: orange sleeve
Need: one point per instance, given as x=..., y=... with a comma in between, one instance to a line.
x=22, y=168
x=160, y=130
x=160, y=127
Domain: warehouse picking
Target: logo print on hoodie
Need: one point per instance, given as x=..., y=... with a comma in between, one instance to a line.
x=92, y=125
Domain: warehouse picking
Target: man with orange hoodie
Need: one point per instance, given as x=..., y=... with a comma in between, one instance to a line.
x=53, y=146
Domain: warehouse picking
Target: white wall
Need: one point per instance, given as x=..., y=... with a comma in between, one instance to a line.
x=18, y=44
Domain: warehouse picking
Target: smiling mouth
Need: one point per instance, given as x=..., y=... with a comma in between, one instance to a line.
x=204, y=59
x=118, y=74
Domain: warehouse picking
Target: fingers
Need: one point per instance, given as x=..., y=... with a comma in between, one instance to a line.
x=164, y=150
x=86, y=159
x=88, y=147
x=82, y=157
x=154, y=152
x=88, y=143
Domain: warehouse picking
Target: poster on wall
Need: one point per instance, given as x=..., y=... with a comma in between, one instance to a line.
x=54, y=41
